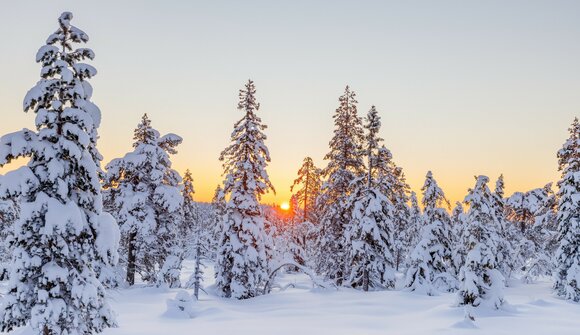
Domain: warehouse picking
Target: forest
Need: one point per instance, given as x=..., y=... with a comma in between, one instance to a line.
x=76, y=230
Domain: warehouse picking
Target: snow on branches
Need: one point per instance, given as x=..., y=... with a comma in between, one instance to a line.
x=242, y=268
x=62, y=238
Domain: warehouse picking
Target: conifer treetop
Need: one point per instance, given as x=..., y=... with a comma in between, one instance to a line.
x=188, y=188
x=433, y=196
x=246, y=158
x=345, y=158
x=500, y=187
x=569, y=154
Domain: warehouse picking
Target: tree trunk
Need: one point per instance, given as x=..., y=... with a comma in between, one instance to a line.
x=523, y=223
x=306, y=196
x=131, y=258
x=365, y=279
x=196, y=271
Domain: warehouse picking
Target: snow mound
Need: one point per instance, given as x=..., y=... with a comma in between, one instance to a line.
x=465, y=324
x=540, y=302
x=182, y=307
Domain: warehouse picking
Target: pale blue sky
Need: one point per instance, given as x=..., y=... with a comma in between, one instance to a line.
x=464, y=87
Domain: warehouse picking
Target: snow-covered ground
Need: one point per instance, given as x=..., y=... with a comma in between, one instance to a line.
x=302, y=310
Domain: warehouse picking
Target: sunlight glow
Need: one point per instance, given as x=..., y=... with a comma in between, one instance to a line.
x=285, y=206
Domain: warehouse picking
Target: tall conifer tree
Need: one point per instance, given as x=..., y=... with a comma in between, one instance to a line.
x=480, y=280
x=242, y=268
x=145, y=193
x=345, y=164
x=369, y=235
x=62, y=234
x=307, y=194
x=567, y=275
x=431, y=267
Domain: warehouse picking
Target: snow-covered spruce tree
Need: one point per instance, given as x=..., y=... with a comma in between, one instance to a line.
x=309, y=182
x=567, y=277
x=62, y=232
x=242, y=268
x=215, y=220
x=196, y=236
x=458, y=249
x=480, y=280
x=170, y=219
x=392, y=183
x=219, y=202
x=543, y=234
x=144, y=191
x=532, y=227
x=295, y=213
x=431, y=268
x=499, y=191
x=369, y=235
x=294, y=239
x=191, y=232
x=505, y=250
x=191, y=235
x=9, y=212
x=301, y=241
x=345, y=164
x=519, y=209
x=289, y=239
x=410, y=235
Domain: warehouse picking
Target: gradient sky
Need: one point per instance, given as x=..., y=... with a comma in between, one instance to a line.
x=463, y=87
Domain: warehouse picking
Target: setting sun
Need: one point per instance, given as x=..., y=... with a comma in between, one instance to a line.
x=285, y=206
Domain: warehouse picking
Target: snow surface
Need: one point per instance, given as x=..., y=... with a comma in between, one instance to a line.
x=531, y=309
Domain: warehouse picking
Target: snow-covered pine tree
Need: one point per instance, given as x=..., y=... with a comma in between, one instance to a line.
x=431, y=267
x=433, y=199
x=345, y=164
x=567, y=277
x=215, y=220
x=62, y=232
x=369, y=235
x=242, y=268
x=192, y=237
x=294, y=238
x=458, y=249
x=544, y=235
x=289, y=239
x=9, y=212
x=393, y=184
x=533, y=229
x=411, y=233
x=190, y=230
x=170, y=216
x=520, y=208
x=505, y=250
x=144, y=191
x=295, y=213
x=219, y=202
x=480, y=280
x=309, y=182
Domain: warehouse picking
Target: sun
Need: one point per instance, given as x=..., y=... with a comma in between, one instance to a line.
x=285, y=206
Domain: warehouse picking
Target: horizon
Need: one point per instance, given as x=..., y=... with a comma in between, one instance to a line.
x=465, y=99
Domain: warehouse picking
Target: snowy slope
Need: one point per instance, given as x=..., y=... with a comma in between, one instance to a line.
x=301, y=310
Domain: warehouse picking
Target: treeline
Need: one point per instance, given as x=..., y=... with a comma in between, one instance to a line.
x=357, y=223
x=71, y=229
